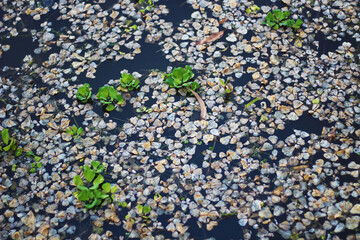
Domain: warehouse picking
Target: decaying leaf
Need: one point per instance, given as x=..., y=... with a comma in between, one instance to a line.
x=332, y=134
x=223, y=20
x=213, y=37
x=201, y=103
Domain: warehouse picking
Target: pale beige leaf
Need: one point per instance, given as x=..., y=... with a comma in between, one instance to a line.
x=201, y=103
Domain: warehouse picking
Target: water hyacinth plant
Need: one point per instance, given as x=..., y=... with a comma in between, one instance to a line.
x=108, y=95
x=278, y=18
x=84, y=94
x=128, y=83
x=180, y=77
x=97, y=191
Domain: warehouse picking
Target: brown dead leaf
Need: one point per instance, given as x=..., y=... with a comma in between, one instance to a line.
x=213, y=37
x=201, y=103
x=223, y=20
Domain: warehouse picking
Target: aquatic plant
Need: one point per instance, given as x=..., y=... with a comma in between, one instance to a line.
x=84, y=94
x=108, y=95
x=99, y=191
x=227, y=86
x=278, y=18
x=34, y=165
x=149, y=4
x=180, y=77
x=9, y=144
x=128, y=83
x=143, y=212
x=252, y=9
x=75, y=131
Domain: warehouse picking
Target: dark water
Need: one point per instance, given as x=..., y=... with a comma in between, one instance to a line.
x=150, y=58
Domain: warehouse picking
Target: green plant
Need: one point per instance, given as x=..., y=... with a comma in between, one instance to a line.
x=128, y=83
x=149, y=4
x=84, y=94
x=252, y=9
x=227, y=86
x=75, y=131
x=9, y=144
x=143, y=212
x=98, y=192
x=108, y=95
x=180, y=77
x=278, y=18
x=34, y=165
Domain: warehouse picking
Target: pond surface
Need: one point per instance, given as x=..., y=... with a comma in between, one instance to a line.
x=275, y=156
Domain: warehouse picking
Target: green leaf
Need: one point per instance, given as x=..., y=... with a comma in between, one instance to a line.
x=278, y=14
x=80, y=131
x=270, y=17
x=94, y=187
x=92, y=205
x=37, y=158
x=78, y=181
x=18, y=152
x=286, y=14
x=99, y=179
x=251, y=102
x=146, y=209
x=95, y=164
x=140, y=208
x=82, y=188
x=106, y=187
x=32, y=170
x=69, y=131
x=5, y=136
x=100, y=169
x=110, y=107
x=194, y=86
x=89, y=174
x=113, y=189
x=177, y=73
x=316, y=101
x=123, y=204
x=39, y=165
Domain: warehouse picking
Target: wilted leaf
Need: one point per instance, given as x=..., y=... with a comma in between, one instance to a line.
x=213, y=37
x=201, y=103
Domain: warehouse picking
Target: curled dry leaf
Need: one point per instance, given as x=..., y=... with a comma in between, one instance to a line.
x=202, y=104
x=211, y=38
x=223, y=20
x=332, y=134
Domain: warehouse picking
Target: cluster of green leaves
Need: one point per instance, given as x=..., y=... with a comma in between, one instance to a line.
x=128, y=82
x=149, y=5
x=34, y=165
x=130, y=26
x=9, y=144
x=108, y=96
x=181, y=77
x=143, y=212
x=278, y=18
x=75, y=131
x=84, y=94
x=97, y=191
x=252, y=9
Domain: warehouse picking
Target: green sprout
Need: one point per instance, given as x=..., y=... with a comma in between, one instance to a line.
x=84, y=94
x=128, y=83
x=75, y=131
x=108, y=95
x=34, y=165
x=98, y=191
x=278, y=18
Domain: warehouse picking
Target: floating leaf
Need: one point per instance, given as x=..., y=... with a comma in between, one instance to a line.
x=213, y=37
x=78, y=181
x=252, y=102
x=106, y=187
x=5, y=136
